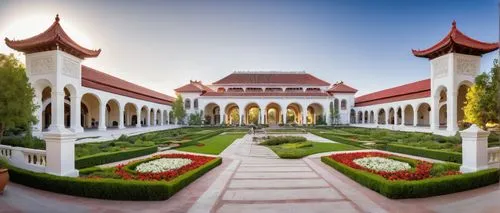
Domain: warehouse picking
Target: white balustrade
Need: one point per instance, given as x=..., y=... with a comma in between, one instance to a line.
x=25, y=158
x=494, y=157
x=5, y=152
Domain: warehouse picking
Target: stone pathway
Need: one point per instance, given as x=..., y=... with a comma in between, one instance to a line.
x=259, y=181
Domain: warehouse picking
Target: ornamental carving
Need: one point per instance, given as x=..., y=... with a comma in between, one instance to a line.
x=43, y=65
x=466, y=65
x=440, y=66
x=70, y=68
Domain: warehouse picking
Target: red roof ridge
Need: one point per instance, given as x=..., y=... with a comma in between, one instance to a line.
x=402, y=90
x=53, y=38
x=193, y=86
x=456, y=41
x=340, y=87
x=91, y=74
x=271, y=77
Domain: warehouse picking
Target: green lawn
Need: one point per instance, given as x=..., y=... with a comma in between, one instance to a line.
x=299, y=150
x=214, y=145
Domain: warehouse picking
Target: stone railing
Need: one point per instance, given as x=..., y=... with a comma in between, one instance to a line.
x=494, y=157
x=29, y=159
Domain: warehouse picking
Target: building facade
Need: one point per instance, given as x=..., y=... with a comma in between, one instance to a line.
x=76, y=97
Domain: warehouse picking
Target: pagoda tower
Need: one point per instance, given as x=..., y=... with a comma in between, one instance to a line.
x=53, y=60
x=455, y=62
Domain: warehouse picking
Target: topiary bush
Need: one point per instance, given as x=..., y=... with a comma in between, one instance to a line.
x=282, y=140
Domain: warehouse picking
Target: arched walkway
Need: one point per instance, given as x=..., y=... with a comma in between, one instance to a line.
x=423, y=114
x=130, y=115
x=92, y=119
x=409, y=115
x=315, y=114
x=294, y=113
x=252, y=114
x=233, y=114
x=212, y=114
x=112, y=113
x=273, y=114
x=381, y=116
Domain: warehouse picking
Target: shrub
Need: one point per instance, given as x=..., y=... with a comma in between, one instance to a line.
x=110, y=157
x=433, y=154
x=111, y=189
x=420, y=188
x=282, y=140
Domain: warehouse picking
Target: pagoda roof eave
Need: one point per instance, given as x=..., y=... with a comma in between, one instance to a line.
x=51, y=39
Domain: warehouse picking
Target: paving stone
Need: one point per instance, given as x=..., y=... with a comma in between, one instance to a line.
x=316, y=207
x=274, y=183
x=273, y=165
x=281, y=194
x=275, y=169
x=281, y=175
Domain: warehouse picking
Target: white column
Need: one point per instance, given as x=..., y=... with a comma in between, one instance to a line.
x=304, y=117
x=60, y=153
x=395, y=117
x=434, y=115
x=221, y=119
x=139, y=119
x=121, y=112
x=451, y=110
x=415, y=117
x=148, y=118
x=57, y=124
x=241, y=117
x=386, y=117
x=155, y=115
x=474, y=149
x=37, y=100
x=403, y=119
x=102, y=117
x=76, y=124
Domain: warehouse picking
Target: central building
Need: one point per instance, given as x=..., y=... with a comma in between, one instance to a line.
x=271, y=97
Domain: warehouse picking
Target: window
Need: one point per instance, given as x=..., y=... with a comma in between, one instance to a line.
x=195, y=103
x=343, y=104
x=187, y=104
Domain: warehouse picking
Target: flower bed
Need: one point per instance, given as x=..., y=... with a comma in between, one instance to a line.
x=421, y=171
x=161, y=167
x=382, y=164
x=423, y=179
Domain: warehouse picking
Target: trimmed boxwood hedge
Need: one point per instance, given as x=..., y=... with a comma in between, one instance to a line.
x=419, y=188
x=428, y=153
x=196, y=140
x=110, y=157
x=336, y=138
x=111, y=189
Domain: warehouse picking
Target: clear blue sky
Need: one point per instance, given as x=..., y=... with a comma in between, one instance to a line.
x=163, y=45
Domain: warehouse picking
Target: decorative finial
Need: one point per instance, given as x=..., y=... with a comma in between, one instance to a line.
x=57, y=17
x=454, y=24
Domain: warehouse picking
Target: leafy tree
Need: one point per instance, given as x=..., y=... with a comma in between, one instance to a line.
x=16, y=95
x=235, y=116
x=178, y=109
x=482, y=100
x=195, y=118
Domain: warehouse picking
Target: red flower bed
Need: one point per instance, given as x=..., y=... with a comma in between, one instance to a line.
x=422, y=169
x=197, y=161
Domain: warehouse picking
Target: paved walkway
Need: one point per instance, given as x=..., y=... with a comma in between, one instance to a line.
x=261, y=182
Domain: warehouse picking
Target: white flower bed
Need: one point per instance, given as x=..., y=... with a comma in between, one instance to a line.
x=382, y=164
x=162, y=165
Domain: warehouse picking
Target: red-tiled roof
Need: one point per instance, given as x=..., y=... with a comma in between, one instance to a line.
x=92, y=78
x=271, y=78
x=53, y=38
x=457, y=42
x=341, y=88
x=267, y=94
x=193, y=86
x=415, y=90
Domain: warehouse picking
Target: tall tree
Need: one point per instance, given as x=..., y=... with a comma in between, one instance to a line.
x=16, y=95
x=178, y=109
x=482, y=99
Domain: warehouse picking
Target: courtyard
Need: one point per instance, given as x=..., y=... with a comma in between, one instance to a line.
x=253, y=177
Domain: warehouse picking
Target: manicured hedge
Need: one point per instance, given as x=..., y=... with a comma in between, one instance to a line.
x=418, y=188
x=196, y=140
x=428, y=153
x=337, y=139
x=111, y=189
x=283, y=139
x=110, y=157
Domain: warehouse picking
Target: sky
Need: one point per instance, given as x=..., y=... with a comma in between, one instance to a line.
x=163, y=44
